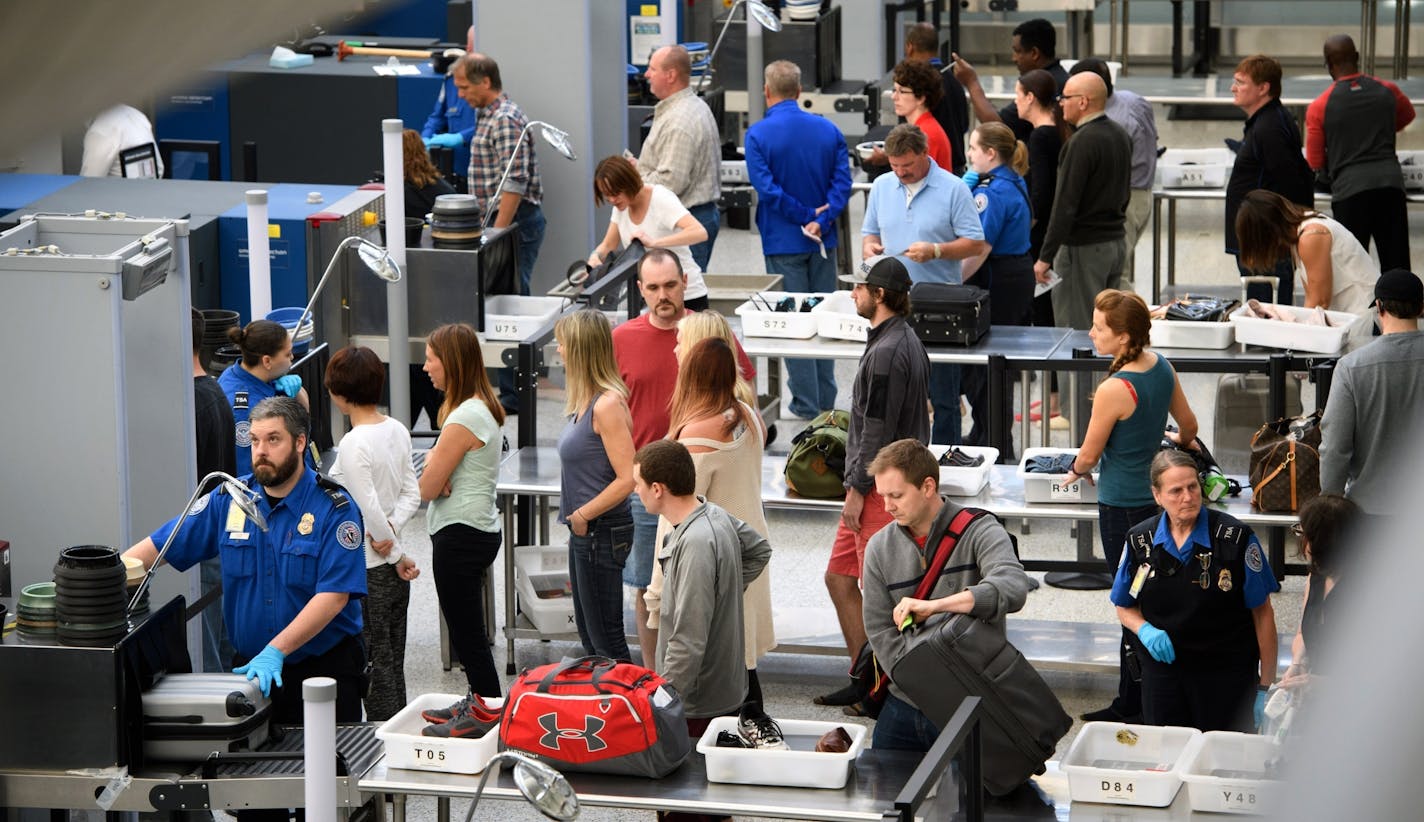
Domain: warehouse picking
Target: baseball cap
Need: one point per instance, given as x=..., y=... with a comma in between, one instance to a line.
x=882, y=272
x=1399, y=285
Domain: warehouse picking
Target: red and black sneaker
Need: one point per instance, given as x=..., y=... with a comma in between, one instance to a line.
x=472, y=704
x=465, y=726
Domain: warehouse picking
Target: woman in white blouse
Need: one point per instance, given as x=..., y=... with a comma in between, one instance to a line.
x=651, y=215
x=373, y=463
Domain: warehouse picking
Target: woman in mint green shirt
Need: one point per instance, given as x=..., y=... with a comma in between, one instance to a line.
x=459, y=483
x=1125, y=432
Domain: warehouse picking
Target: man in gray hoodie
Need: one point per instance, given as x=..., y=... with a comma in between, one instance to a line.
x=708, y=561
x=983, y=578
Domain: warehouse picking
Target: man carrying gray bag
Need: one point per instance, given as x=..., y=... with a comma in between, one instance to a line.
x=951, y=644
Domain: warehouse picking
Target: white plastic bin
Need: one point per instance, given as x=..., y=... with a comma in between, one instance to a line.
x=543, y=569
x=1187, y=334
x=1123, y=764
x=406, y=748
x=513, y=317
x=1312, y=339
x=837, y=320
x=1225, y=772
x=1194, y=167
x=965, y=482
x=759, y=321
x=800, y=767
x=1412, y=164
x=1051, y=487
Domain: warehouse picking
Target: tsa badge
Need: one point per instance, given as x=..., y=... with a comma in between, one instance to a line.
x=1253, y=557
x=305, y=526
x=348, y=535
x=1223, y=580
x=981, y=202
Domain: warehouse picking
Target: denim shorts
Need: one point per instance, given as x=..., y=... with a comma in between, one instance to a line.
x=638, y=570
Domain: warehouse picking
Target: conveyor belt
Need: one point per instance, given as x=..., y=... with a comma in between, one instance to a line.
x=357, y=749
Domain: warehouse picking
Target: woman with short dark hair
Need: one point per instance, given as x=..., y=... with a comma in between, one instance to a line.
x=916, y=90
x=373, y=463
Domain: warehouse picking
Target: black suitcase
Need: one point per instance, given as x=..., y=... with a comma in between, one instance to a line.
x=948, y=313
x=959, y=656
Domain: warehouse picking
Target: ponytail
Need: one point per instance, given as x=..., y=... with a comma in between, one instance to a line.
x=1019, y=163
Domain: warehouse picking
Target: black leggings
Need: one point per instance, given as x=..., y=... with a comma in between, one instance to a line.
x=461, y=556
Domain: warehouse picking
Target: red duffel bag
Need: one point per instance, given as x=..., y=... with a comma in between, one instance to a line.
x=597, y=715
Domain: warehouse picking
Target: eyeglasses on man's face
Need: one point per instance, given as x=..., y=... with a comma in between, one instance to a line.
x=1063, y=98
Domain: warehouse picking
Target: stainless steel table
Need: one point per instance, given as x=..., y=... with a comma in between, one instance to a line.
x=876, y=779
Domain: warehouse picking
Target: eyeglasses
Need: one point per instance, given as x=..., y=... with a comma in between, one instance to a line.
x=901, y=90
x=1066, y=97
x=1297, y=531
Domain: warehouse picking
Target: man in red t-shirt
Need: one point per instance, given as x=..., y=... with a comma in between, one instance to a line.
x=647, y=362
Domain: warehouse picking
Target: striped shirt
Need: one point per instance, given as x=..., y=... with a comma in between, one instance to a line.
x=682, y=152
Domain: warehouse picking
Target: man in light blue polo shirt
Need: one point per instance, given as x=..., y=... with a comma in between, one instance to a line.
x=924, y=215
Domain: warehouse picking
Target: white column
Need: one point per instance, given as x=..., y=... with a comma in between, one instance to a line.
x=319, y=747
x=259, y=256
x=397, y=311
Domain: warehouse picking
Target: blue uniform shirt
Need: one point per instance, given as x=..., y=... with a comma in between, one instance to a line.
x=1001, y=198
x=452, y=115
x=942, y=211
x=1260, y=581
x=312, y=546
x=797, y=162
x=243, y=391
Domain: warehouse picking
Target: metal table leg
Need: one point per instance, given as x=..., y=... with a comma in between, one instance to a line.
x=509, y=668
x=1171, y=242
x=398, y=807
x=1156, y=248
x=442, y=808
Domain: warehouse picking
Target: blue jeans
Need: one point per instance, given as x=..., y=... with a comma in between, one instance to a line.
x=944, y=396
x=813, y=382
x=530, y=218
x=638, y=572
x=711, y=219
x=902, y=727
x=596, y=568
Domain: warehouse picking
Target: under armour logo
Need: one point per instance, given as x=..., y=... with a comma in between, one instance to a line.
x=591, y=726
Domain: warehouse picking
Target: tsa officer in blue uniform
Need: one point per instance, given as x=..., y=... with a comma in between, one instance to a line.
x=1195, y=589
x=451, y=123
x=261, y=373
x=997, y=162
x=290, y=593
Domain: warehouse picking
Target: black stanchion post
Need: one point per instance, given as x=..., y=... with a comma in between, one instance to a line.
x=1001, y=432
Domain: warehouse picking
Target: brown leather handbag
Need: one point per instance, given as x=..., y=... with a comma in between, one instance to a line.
x=1285, y=464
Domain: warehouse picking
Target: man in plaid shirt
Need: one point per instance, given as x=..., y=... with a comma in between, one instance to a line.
x=682, y=152
x=499, y=123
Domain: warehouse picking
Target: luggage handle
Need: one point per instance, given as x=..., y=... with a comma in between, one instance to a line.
x=594, y=664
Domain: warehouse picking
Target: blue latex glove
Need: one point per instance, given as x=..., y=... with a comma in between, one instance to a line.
x=1158, y=644
x=1258, y=711
x=444, y=141
x=266, y=668
x=971, y=178
x=289, y=384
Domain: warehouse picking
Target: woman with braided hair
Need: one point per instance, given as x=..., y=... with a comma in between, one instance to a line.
x=1124, y=433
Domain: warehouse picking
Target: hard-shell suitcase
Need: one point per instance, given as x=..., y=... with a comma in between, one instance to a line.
x=959, y=656
x=949, y=313
x=1242, y=407
x=186, y=717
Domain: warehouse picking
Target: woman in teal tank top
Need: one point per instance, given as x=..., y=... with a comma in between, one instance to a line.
x=1124, y=433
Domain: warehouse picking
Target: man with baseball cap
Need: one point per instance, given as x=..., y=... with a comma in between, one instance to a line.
x=889, y=401
x=1376, y=399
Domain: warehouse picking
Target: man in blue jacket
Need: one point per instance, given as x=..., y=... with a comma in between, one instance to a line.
x=798, y=165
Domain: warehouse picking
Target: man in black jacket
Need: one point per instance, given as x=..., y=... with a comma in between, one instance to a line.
x=890, y=401
x=1269, y=156
x=1085, y=241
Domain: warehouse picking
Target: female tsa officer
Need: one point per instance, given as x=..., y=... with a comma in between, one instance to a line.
x=261, y=373
x=998, y=163
x=1195, y=589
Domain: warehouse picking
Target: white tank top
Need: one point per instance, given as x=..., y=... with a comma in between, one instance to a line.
x=1353, y=273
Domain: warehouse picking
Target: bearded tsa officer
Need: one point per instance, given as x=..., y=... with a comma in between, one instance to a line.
x=290, y=593
x=1194, y=587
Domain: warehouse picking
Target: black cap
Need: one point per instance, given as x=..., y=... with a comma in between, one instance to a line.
x=1399, y=285
x=882, y=272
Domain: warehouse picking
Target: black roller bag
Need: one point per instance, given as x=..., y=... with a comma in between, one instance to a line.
x=1022, y=720
x=948, y=313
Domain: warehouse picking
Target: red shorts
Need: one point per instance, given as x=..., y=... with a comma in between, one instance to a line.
x=848, y=551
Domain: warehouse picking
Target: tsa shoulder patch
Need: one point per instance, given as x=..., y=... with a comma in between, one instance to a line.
x=981, y=201
x=198, y=505
x=1253, y=557
x=244, y=434
x=348, y=535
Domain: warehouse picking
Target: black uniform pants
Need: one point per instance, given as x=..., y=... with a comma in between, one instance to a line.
x=1379, y=213
x=1215, y=700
